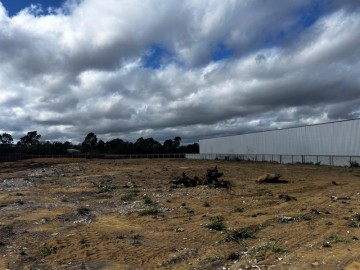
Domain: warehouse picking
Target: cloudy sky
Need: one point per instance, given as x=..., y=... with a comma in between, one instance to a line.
x=166, y=68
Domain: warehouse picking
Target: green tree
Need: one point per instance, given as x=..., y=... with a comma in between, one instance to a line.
x=177, y=141
x=31, y=138
x=101, y=146
x=89, y=142
x=6, y=138
x=148, y=145
x=168, y=146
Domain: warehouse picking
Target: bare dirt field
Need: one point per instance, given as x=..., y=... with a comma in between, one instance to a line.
x=123, y=214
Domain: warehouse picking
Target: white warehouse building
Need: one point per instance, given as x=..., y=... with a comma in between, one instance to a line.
x=334, y=143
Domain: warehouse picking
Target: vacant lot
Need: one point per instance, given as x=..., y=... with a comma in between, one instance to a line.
x=123, y=214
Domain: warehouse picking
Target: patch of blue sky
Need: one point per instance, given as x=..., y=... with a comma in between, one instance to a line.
x=15, y=6
x=222, y=52
x=309, y=14
x=156, y=57
x=306, y=16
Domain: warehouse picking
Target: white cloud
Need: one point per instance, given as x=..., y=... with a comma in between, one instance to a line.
x=80, y=68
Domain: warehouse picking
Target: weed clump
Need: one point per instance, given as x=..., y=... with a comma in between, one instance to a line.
x=239, y=209
x=217, y=224
x=149, y=211
x=106, y=186
x=206, y=204
x=354, y=223
x=239, y=235
x=264, y=192
x=148, y=200
x=277, y=249
x=337, y=239
x=130, y=196
x=305, y=217
x=48, y=250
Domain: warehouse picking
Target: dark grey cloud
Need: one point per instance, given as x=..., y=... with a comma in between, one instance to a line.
x=81, y=69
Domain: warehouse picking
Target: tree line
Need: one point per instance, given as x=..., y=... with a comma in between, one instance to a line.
x=31, y=144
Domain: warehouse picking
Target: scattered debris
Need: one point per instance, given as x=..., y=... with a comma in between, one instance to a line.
x=287, y=197
x=272, y=178
x=285, y=219
x=185, y=181
x=211, y=179
x=315, y=211
x=334, y=198
x=316, y=263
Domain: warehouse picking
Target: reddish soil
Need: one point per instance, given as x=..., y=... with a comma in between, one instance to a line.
x=123, y=214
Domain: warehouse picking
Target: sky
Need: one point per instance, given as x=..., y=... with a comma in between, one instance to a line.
x=190, y=68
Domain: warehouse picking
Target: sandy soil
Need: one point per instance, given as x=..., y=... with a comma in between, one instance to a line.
x=122, y=214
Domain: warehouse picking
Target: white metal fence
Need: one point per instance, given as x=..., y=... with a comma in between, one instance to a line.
x=283, y=159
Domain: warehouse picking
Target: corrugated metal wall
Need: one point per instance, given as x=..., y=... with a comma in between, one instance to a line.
x=336, y=138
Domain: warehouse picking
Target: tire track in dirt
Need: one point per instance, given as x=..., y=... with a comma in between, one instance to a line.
x=3, y=262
